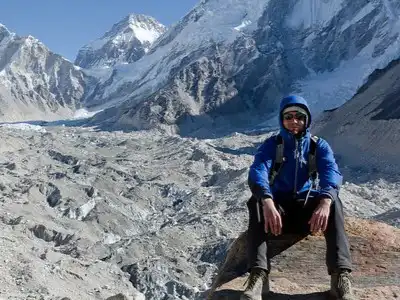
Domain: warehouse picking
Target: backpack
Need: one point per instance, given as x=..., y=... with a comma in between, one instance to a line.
x=280, y=159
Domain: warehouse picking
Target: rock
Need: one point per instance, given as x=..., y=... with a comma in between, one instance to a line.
x=9, y=220
x=66, y=159
x=41, y=232
x=80, y=213
x=90, y=191
x=10, y=166
x=57, y=175
x=300, y=270
x=52, y=193
x=118, y=297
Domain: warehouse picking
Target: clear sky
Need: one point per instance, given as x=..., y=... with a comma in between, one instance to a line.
x=66, y=25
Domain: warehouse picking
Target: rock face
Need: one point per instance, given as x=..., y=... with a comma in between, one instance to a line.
x=364, y=131
x=244, y=59
x=126, y=42
x=36, y=83
x=300, y=271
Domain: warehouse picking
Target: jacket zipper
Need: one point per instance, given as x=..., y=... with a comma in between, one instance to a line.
x=297, y=167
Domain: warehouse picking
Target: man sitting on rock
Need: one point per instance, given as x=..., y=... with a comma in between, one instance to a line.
x=286, y=202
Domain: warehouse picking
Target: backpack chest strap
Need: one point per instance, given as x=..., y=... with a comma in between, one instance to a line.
x=280, y=159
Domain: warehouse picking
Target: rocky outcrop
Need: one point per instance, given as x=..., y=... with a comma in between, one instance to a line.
x=300, y=272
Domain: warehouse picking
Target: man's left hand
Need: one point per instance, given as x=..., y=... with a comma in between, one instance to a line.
x=319, y=219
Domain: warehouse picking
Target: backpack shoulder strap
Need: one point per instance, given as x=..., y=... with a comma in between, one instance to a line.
x=279, y=159
x=312, y=158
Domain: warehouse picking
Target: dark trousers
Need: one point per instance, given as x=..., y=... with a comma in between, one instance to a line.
x=295, y=216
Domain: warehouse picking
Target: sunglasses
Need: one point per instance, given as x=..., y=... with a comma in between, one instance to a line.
x=298, y=116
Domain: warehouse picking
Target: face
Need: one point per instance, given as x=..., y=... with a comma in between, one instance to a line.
x=294, y=121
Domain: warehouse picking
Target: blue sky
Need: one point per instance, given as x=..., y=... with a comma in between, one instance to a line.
x=66, y=25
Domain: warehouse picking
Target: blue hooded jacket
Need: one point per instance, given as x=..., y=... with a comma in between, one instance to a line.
x=295, y=152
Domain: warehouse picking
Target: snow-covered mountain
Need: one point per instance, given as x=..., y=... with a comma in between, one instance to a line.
x=34, y=82
x=229, y=58
x=126, y=42
x=225, y=63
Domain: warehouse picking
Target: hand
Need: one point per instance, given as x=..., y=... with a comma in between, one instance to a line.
x=319, y=219
x=272, y=217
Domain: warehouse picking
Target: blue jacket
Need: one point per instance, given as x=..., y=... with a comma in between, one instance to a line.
x=287, y=181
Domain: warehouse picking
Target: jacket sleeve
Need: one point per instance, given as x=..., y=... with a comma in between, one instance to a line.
x=259, y=170
x=330, y=178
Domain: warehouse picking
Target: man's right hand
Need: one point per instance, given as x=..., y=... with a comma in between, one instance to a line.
x=272, y=218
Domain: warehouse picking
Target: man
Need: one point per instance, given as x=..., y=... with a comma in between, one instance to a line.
x=290, y=205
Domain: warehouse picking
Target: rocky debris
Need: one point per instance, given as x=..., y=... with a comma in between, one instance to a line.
x=90, y=191
x=80, y=213
x=140, y=209
x=32, y=270
x=392, y=217
x=11, y=220
x=300, y=271
x=66, y=159
x=41, y=232
x=57, y=175
x=9, y=165
x=117, y=297
x=145, y=277
x=52, y=193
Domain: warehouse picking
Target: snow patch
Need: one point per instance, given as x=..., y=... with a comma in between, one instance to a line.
x=145, y=34
x=309, y=13
x=111, y=238
x=96, y=44
x=243, y=25
x=332, y=89
x=389, y=9
x=102, y=73
x=23, y=126
x=83, y=113
x=83, y=211
x=141, y=30
x=361, y=14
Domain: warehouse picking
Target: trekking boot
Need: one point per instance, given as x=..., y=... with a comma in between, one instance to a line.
x=341, y=285
x=257, y=285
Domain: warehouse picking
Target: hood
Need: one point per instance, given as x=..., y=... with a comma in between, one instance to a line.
x=294, y=100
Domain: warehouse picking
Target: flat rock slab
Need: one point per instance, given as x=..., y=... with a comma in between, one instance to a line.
x=300, y=272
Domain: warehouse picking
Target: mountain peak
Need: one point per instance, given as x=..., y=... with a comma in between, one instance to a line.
x=2, y=27
x=139, y=18
x=127, y=41
x=144, y=28
x=4, y=30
